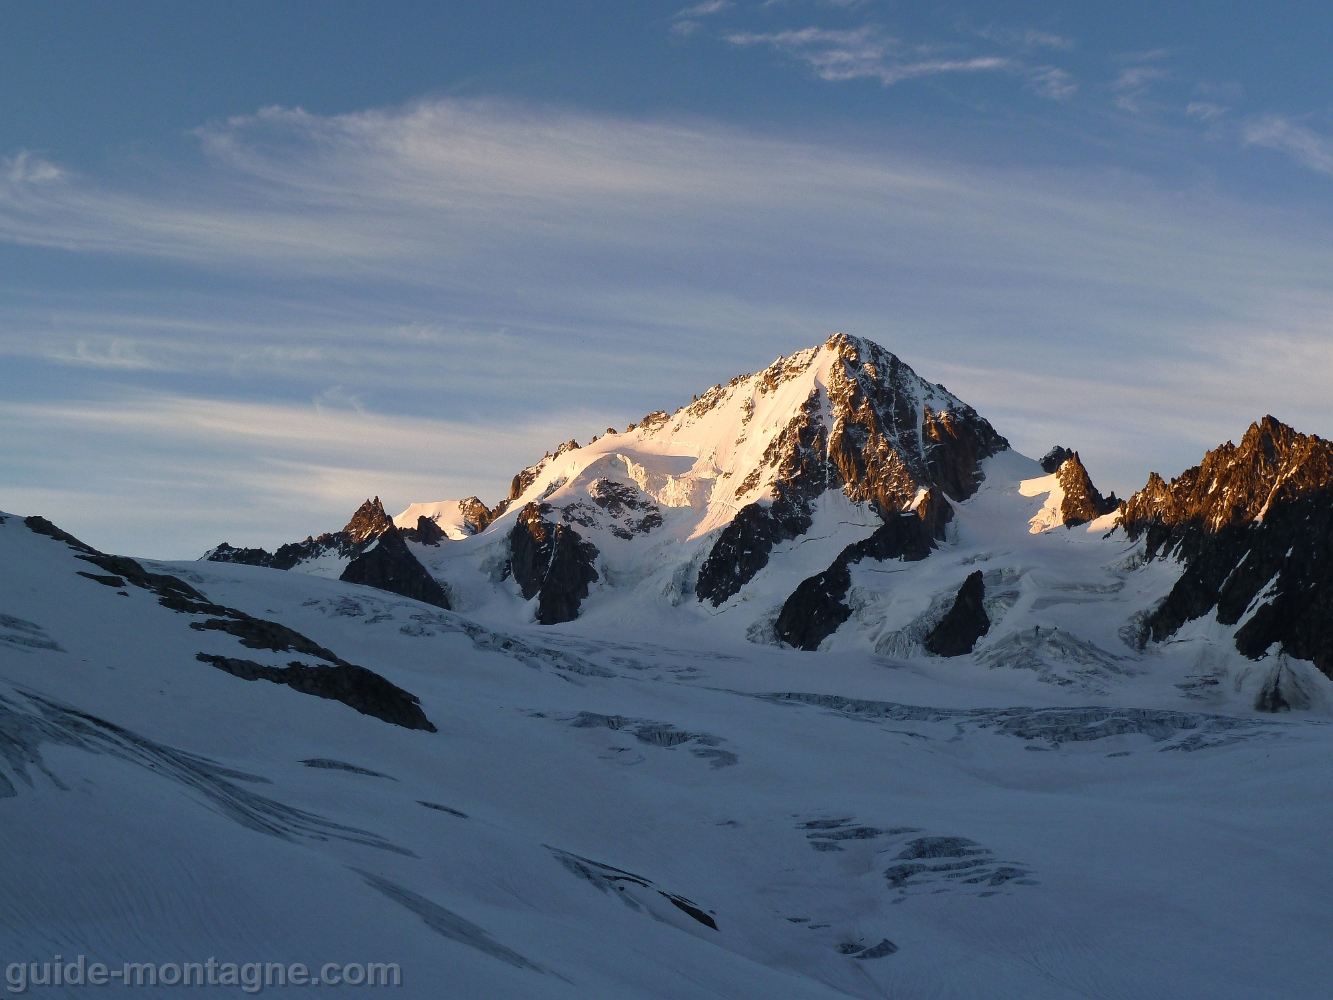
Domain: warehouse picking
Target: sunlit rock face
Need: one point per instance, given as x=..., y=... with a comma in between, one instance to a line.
x=1253, y=525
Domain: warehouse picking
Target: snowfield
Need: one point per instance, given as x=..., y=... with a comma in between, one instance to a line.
x=656, y=799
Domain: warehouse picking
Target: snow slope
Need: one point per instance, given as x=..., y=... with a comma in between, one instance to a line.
x=850, y=823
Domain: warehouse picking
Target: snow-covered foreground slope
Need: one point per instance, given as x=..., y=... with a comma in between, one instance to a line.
x=645, y=803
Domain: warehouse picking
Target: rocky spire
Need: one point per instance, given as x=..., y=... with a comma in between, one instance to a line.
x=369, y=521
x=1082, y=502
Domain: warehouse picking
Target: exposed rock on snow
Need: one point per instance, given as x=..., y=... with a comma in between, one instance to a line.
x=551, y=562
x=616, y=881
x=1082, y=501
x=1071, y=498
x=965, y=622
x=369, y=550
x=817, y=607
x=388, y=565
x=743, y=547
x=1252, y=525
x=1055, y=458
x=168, y=588
x=427, y=532
x=356, y=687
x=454, y=519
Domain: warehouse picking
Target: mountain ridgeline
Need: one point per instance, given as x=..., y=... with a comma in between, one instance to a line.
x=723, y=493
x=1252, y=525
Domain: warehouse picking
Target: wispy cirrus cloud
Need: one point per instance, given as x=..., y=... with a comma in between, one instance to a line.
x=1303, y=144
x=868, y=52
x=263, y=472
x=1029, y=38
x=687, y=21
x=864, y=52
x=1132, y=85
x=526, y=274
x=1205, y=111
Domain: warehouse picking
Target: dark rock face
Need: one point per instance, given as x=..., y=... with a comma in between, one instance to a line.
x=289, y=555
x=294, y=553
x=1082, y=502
x=1055, y=458
x=551, y=562
x=966, y=622
x=427, y=532
x=388, y=565
x=356, y=687
x=743, y=547
x=1253, y=526
x=245, y=557
x=875, y=442
x=817, y=608
x=620, y=508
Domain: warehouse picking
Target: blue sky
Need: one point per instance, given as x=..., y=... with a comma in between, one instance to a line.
x=260, y=262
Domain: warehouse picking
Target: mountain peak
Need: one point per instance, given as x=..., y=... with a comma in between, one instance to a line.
x=1082, y=502
x=369, y=521
x=1237, y=484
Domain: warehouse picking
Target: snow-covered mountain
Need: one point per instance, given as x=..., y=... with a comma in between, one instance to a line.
x=836, y=500
x=811, y=688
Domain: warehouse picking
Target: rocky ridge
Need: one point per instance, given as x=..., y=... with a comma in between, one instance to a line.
x=1253, y=526
x=375, y=549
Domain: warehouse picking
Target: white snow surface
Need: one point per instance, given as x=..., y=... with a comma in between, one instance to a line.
x=448, y=514
x=1059, y=814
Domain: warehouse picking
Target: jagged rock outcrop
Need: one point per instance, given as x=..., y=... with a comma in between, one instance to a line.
x=817, y=608
x=369, y=522
x=377, y=553
x=552, y=562
x=1253, y=526
x=1082, y=500
x=427, y=532
x=476, y=515
x=244, y=557
x=356, y=687
x=1055, y=458
x=520, y=483
x=387, y=564
x=964, y=623
x=743, y=547
x=454, y=519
